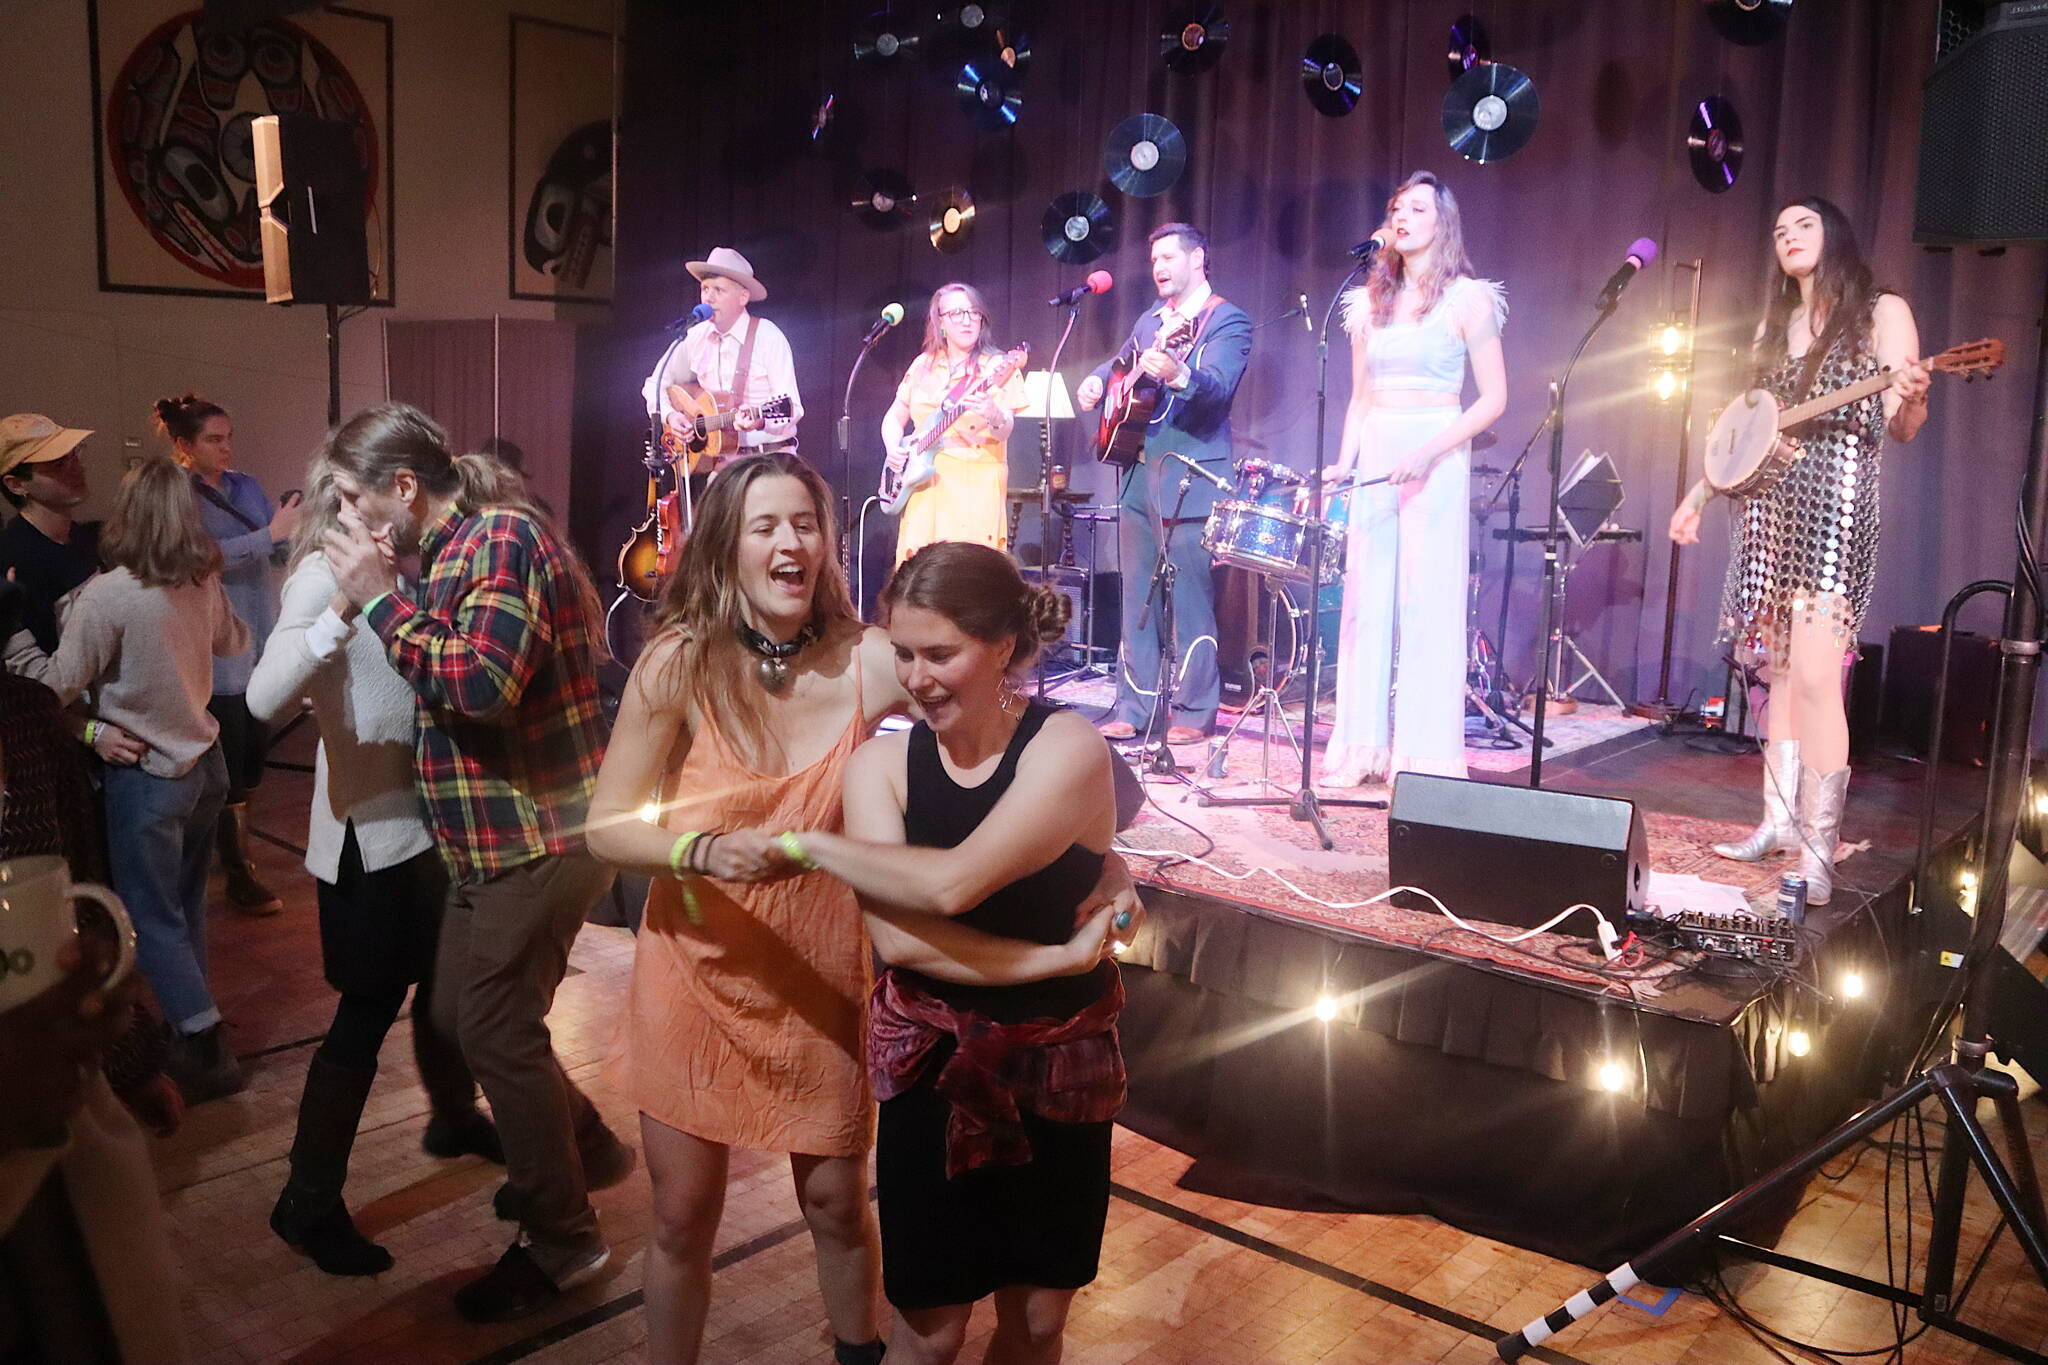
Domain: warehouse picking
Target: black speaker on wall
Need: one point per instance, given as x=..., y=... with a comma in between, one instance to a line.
x=1516, y=855
x=1983, y=175
x=309, y=186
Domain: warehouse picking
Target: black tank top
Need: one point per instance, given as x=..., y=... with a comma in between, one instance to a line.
x=1037, y=908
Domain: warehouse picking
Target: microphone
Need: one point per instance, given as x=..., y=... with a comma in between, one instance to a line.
x=691, y=318
x=1363, y=251
x=1208, y=474
x=1308, y=322
x=1098, y=282
x=1641, y=252
x=891, y=315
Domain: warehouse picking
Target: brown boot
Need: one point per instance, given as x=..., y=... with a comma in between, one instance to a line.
x=246, y=895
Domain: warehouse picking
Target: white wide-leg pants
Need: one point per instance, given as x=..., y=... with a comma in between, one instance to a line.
x=1404, y=599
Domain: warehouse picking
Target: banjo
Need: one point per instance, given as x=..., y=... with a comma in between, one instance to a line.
x=1746, y=451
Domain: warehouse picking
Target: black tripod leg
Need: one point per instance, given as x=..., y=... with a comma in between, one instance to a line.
x=1959, y=1090
x=1766, y=1187
x=2019, y=1154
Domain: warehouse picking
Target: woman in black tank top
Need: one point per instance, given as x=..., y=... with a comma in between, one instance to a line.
x=974, y=841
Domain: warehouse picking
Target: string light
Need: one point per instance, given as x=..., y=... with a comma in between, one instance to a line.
x=1612, y=1076
x=1798, y=1043
x=1670, y=359
x=1326, y=1007
x=1852, y=985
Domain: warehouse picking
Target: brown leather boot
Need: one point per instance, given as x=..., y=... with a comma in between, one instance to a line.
x=246, y=895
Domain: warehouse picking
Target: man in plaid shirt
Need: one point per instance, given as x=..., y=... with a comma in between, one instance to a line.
x=498, y=640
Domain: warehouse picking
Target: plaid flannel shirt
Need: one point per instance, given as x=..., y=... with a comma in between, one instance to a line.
x=503, y=661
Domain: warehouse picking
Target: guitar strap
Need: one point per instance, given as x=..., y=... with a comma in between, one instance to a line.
x=736, y=396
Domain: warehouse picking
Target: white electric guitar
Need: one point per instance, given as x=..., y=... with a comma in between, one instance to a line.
x=920, y=466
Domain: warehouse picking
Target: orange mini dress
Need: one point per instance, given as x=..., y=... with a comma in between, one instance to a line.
x=746, y=1029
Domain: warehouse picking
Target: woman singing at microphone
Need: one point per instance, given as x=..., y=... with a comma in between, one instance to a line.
x=1417, y=321
x=965, y=499
x=1806, y=547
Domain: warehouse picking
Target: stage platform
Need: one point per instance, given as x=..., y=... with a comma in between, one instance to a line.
x=1468, y=1080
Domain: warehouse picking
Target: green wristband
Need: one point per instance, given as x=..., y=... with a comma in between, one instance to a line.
x=794, y=847
x=679, y=851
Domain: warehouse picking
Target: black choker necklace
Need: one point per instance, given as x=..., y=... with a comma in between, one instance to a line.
x=773, y=669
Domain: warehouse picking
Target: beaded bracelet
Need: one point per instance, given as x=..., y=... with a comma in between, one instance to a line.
x=794, y=847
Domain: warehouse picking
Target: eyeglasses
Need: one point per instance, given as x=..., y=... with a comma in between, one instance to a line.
x=959, y=315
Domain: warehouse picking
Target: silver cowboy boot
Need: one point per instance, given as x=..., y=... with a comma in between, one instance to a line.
x=1820, y=828
x=1779, y=833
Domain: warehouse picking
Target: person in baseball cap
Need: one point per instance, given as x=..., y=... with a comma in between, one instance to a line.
x=47, y=550
x=31, y=438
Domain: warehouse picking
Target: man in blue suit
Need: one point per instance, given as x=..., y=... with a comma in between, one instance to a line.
x=1193, y=419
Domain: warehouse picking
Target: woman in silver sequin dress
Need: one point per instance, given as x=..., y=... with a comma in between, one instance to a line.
x=1806, y=547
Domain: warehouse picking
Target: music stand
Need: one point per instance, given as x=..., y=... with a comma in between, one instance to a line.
x=1587, y=500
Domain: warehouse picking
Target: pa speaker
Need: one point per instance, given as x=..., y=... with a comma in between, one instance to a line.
x=309, y=186
x=1516, y=855
x=1983, y=160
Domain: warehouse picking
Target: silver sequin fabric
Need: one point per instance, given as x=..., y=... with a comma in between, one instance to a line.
x=1806, y=548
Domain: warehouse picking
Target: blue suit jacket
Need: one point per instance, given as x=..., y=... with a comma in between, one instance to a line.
x=1196, y=420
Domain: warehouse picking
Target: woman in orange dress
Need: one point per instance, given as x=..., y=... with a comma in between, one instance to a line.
x=744, y=1024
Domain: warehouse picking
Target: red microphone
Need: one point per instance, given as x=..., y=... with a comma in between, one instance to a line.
x=1098, y=282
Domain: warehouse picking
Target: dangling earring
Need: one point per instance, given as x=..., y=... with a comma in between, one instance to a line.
x=1009, y=698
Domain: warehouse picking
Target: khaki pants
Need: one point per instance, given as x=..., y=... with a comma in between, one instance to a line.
x=504, y=946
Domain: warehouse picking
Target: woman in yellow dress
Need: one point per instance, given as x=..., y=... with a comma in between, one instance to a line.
x=965, y=501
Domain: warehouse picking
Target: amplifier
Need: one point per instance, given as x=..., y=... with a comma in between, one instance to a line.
x=1099, y=627
x=1516, y=855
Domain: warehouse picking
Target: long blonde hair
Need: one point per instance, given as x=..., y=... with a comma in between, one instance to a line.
x=156, y=532
x=1449, y=263
x=702, y=603
x=319, y=513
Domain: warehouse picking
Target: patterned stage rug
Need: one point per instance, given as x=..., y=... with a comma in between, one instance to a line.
x=1590, y=725
x=1327, y=886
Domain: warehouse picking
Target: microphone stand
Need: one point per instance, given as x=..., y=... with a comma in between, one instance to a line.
x=1306, y=805
x=1553, y=581
x=1045, y=489
x=844, y=432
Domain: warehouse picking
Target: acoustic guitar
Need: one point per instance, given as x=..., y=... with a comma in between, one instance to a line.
x=1133, y=396
x=1745, y=452
x=707, y=418
x=919, y=466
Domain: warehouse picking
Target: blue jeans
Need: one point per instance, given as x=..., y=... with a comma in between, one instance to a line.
x=160, y=833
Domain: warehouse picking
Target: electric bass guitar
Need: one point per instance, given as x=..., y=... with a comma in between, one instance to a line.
x=1132, y=397
x=919, y=465
x=706, y=418
x=1747, y=451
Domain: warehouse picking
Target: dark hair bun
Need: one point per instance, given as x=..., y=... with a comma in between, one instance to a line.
x=1048, y=610
x=182, y=419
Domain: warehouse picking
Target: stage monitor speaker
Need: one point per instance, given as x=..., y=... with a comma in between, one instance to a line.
x=1983, y=175
x=1104, y=625
x=309, y=187
x=1913, y=671
x=1516, y=855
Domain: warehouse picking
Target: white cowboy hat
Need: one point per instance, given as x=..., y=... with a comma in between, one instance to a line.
x=733, y=266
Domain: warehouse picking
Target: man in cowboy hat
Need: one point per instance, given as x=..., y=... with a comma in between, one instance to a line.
x=735, y=355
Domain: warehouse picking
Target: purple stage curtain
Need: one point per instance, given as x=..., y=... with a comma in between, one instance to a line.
x=715, y=152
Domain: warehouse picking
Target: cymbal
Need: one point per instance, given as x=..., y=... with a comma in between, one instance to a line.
x=1486, y=471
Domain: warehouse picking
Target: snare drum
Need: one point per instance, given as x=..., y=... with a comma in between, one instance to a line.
x=1272, y=541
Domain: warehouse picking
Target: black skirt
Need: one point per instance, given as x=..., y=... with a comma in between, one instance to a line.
x=378, y=930
x=957, y=1241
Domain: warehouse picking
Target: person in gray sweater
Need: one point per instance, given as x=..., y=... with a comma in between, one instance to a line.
x=381, y=885
x=143, y=636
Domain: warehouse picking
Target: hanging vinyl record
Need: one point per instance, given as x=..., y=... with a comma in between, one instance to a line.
x=880, y=39
x=1077, y=228
x=885, y=200
x=1714, y=144
x=1013, y=49
x=1144, y=156
x=1329, y=75
x=1469, y=46
x=1748, y=23
x=988, y=92
x=952, y=220
x=1490, y=112
x=1195, y=41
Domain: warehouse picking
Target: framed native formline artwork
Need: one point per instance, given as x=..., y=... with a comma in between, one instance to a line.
x=173, y=98
x=559, y=210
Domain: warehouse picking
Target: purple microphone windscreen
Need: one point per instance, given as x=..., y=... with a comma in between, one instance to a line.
x=1643, y=250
